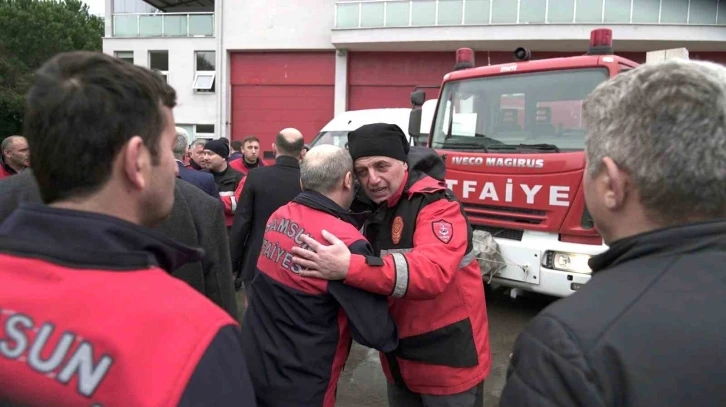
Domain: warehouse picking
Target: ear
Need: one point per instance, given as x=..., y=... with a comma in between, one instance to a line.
x=616, y=184
x=135, y=158
x=348, y=180
x=274, y=148
x=301, y=185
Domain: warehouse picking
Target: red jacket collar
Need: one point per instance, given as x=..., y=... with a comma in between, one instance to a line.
x=393, y=199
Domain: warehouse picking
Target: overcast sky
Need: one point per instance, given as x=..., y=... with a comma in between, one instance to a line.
x=97, y=7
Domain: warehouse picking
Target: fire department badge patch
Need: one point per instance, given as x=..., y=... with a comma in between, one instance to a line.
x=443, y=230
x=397, y=229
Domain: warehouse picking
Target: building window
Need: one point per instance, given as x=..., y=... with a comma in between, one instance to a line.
x=126, y=56
x=159, y=62
x=204, y=131
x=189, y=128
x=204, y=71
x=196, y=131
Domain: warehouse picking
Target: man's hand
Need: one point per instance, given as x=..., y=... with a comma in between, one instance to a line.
x=326, y=262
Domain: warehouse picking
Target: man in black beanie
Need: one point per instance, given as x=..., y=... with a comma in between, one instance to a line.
x=426, y=264
x=228, y=179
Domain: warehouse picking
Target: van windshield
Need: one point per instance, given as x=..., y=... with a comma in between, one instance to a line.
x=336, y=138
x=516, y=113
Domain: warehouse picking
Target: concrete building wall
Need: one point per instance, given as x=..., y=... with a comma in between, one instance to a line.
x=193, y=107
x=493, y=29
x=278, y=24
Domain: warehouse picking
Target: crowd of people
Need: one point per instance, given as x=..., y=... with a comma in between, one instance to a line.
x=139, y=269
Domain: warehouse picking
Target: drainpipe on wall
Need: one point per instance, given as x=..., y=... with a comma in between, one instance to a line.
x=108, y=17
x=222, y=85
x=341, y=82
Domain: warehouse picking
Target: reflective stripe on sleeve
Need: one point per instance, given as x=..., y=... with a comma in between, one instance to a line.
x=399, y=260
x=468, y=258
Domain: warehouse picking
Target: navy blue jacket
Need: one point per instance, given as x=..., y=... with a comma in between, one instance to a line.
x=297, y=331
x=116, y=271
x=202, y=180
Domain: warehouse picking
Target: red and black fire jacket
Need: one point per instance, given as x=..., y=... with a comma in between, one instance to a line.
x=5, y=169
x=242, y=166
x=297, y=331
x=427, y=266
x=90, y=316
x=230, y=183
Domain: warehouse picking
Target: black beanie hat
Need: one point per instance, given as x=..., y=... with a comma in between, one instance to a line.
x=383, y=139
x=219, y=147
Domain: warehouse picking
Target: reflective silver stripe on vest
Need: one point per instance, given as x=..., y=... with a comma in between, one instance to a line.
x=468, y=258
x=391, y=251
x=399, y=260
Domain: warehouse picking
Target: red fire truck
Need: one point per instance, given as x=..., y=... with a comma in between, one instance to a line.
x=512, y=137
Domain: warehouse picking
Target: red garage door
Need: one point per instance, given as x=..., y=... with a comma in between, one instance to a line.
x=271, y=91
x=386, y=79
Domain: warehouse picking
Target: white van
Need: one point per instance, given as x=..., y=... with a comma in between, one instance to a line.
x=336, y=131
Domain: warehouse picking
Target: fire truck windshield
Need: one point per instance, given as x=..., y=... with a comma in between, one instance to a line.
x=540, y=111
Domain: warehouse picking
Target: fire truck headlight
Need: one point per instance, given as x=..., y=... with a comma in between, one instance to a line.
x=572, y=262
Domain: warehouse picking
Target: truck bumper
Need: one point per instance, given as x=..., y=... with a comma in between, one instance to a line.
x=524, y=267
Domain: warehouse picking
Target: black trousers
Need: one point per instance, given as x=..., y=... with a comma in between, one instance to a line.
x=399, y=396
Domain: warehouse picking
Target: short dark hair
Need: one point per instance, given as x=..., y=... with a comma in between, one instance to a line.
x=236, y=145
x=82, y=108
x=250, y=138
x=284, y=147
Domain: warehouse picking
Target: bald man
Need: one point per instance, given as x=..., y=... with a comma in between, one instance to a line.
x=297, y=324
x=266, y=189
x=15, y=156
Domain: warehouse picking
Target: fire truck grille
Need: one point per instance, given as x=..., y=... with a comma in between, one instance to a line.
x=502, y=233
x=507, y=214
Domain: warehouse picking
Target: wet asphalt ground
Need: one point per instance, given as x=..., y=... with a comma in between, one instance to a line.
x=362, y=383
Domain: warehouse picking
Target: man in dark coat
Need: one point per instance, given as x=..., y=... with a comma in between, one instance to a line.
x=266, y=189
x=200, y=179
x=195, y=220
x=228, y=180
x=648, y=329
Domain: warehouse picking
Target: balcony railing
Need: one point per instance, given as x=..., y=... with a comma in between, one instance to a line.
x=164, y=25
x=426, y=13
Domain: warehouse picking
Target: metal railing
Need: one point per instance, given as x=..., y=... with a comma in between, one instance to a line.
x=149, y=25
x=428, y=13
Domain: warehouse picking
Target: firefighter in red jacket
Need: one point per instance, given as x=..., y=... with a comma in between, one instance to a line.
x=250, y=156
x=90, y=314
x=425, y=264
x=298, y=330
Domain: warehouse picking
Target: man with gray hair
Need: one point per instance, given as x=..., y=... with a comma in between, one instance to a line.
x=647, y=330
x=202, y=180
x=196, y=154
x=302, y=327
x=15, y=156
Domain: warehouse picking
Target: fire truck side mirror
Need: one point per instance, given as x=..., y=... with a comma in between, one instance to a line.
x=414, y=125
x=418, y=97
